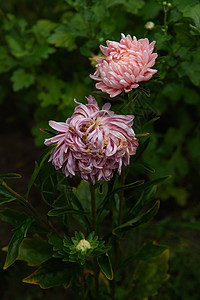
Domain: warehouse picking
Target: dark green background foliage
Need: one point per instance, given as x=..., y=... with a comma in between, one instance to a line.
x=44, y=64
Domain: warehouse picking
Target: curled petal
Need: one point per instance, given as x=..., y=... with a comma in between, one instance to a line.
x=124, y=64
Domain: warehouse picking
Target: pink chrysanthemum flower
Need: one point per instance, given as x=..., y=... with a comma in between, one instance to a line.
x=93, y=143
x=124, y=65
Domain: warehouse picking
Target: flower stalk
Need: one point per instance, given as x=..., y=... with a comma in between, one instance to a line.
x=94, y=226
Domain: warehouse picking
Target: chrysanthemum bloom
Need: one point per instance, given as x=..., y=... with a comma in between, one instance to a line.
x=93, y=143
x=125, y=65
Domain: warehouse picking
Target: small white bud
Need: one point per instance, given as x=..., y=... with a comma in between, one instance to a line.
x=149, y=25
x=169, y=4
x=164, y=3
x=83, y=245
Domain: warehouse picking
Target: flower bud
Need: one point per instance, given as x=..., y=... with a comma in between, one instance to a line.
x=149, y=25
x=83, y=245
x=169, y=4
x=164, y=3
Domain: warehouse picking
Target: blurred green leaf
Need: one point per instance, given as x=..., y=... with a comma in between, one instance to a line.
x=6, y=61
x=21, y=79
x=193, y=12
x=149, y=250
x=149, y=275
x=50, y=90
x=131, y=6
x=62, y=38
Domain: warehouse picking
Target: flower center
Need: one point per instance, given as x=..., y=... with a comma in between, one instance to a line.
x=93, y=123
x=83, y=245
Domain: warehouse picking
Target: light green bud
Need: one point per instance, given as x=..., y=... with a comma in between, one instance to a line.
x=149, y=25
x=83, y=245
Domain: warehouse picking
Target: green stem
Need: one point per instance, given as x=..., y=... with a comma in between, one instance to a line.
x=165, y=20
x=93, y=208
x=117, y=243
x=82, y=283
x=94, y=226
x=25, y=202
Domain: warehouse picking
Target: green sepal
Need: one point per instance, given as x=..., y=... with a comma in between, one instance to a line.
x=137, y=220
x=105, y=266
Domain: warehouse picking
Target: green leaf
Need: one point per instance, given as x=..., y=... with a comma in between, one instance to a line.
x=117, y=190
x=105, y=266
x=149, y=275
x=52, y=273
x=149, y=123
x=55, y=241
x=63, y=211
x=10, y=176
x=6, y=200
x=142, y=202
x=21, y=79
x=38, y=166
x=16, y=218
x=138, y=220
x=35, y=251
x=15, y=243
x=146, y=167
x=142, y=147
x=12, y=216
x=149, y=184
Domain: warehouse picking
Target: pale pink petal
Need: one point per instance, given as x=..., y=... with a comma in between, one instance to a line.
x=126, y=62
x=95, y=142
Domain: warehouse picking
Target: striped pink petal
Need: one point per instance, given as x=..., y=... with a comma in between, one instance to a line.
x=93, y=143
